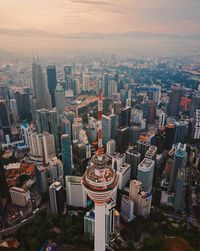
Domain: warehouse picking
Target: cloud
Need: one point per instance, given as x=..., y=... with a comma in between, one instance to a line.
x=90, y=2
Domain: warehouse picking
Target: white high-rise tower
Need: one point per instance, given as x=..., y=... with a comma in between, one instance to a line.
x=100, y=181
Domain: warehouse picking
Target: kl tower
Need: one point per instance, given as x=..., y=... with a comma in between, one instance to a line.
x=99, y=181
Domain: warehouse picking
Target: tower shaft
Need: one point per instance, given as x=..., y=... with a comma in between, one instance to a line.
x=99, y=241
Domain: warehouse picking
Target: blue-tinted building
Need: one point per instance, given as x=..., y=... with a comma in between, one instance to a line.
x=51, y=81
x=179, y=198
x=145, y=174
x=105, y=85
x=41, y=179
x=178, y=164
x=113, y=118
x=106, y=129
x=66, y=148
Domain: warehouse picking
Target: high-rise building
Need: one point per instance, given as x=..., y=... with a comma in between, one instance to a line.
x=49, y=146
x=142, y=200
x=36, y=147
x=154, y=93
x=23, y=105
x=59, y=99
x=144, y=203
x=196, y=126
x=127, y=207
x=111, y=147
x=133, y=158
x=109, y=219
x=4, y=117
x=67, y=154
x=151, y=153
x=135, y=188
x=181, y=131
x=47, y=121
x=178, y=164
x=145, y=174
x=122, y=139
x=100, y=182
x=195, y=104
x=65, y=126
x=117, y=107
x=41, y=178
x=142, y=148
x=42, y=116
x=113, y=118
x=76, y=127
x=125, y=117
x=162, y=119
x=57, y=198
x=105, y=85
x=68, y=77
x=106, y=129
x=159, y=139
x=174, y=100
x=76, y=194
x=55, y=169
x=20, y=196
x=169, y=136
x=4, y=94
x=118, y=160
x=51, y=81
x=90, y=221
x=179, y=196
x=86, y=82
x=151, y=112
x=124, y=173
x=40, y=90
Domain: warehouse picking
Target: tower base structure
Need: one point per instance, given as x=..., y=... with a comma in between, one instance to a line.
x=99, y=240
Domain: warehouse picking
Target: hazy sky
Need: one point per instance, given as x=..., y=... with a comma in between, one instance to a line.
x=43, y=18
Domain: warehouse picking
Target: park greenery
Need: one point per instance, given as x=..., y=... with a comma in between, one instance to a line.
x=158, y=227
x=44, y=227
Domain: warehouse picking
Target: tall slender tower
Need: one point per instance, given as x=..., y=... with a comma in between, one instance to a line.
x=100, y=181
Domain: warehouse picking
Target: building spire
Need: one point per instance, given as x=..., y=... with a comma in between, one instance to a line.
x=100, y=112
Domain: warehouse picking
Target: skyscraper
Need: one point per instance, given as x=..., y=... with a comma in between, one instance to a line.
x=181, y=131
x=59, y=99
x=174, y=100
x=169, y=136
x=66, y=148
x=40, y=90
x=100, y=181
x=106, y=129
x=86, y=82
x=105, y=85
x=49, y=146
x=76, y=194
x=68, y=76
x=179, y=197
x=195, y=104
x=41, y=178
x=51, y=81
x=125, y=117
x=145, y=173
x=57, y=198
x=122, y=139
x=4, y=117
x=178, y=164
x=133, y=158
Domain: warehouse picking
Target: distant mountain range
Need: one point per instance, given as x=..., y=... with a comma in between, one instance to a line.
x=93, y=35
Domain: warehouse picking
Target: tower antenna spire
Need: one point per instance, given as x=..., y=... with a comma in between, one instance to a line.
x=100, y=113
